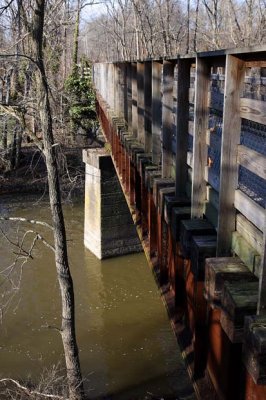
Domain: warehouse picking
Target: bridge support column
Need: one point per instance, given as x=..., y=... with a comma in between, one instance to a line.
x=109, y=230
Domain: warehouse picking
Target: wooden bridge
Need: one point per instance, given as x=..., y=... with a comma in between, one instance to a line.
x=188, y=141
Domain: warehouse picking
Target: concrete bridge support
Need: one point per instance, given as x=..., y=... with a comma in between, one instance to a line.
x=109, y=229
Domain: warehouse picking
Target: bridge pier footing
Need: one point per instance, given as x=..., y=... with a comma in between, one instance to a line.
x=109, y=229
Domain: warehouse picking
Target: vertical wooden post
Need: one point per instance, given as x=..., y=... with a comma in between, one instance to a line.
x=156, y=111
x=200, y=132
x=147, y=105
x=167, y=117
x=134, y=99
x=140, y=84
x=121, y=89
x=115, y=86
x=262, y=278
x=234, y=77
x=129, y=97
x=183, y=84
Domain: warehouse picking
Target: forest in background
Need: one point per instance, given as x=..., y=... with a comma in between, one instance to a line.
x=140, y=29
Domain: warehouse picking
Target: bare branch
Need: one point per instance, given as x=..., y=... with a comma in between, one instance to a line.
x=30, y=392
x=30, y=221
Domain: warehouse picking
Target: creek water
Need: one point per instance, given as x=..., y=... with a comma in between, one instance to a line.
x=127, y=347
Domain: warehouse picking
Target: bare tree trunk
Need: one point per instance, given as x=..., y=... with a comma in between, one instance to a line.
x=76, y=37
x=68, y=335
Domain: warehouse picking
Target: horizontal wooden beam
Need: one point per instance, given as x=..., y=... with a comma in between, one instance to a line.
x=251, y=210
x=252, y=160
x=254, y=110
x=249, y=232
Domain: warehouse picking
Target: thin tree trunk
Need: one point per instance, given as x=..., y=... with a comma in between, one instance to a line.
x=68, y=335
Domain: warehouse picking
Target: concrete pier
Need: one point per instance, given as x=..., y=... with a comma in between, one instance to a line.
x=109, y=230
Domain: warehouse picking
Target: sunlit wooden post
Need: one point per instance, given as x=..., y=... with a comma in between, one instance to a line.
x=234, y=77
x=200, y=133
x=167, y=117
x=156, y=111
x=183, y=84
x=140, y=85
x=129, y=96
x=134, y=99
x=147, y=105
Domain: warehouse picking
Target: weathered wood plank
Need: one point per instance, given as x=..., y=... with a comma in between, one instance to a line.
x=249, y=232
x=147, y=105
x=246, y=253
x=251, y=210
x=224, y=269
x=140, y=105
x=182, y=116
x=202, y=247
x=129, y=96
x=156, y=112
x=134, y=99
x=234, y=76
x=252, y=160
x=196, y=226
x=255, y=110
x=199, y=143
x=167, y=117
x=239, y=299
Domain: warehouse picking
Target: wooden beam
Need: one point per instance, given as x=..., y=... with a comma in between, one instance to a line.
x=140, y=84
x=255, y=64
x=183, y=84
x=121, y=89
x=199, y=144
x=255, y=110
x=249, y=232
x=251, y=210
x=147, y=105
x=234, y=77
x=156, y=111
x=129, y=96
x=134, y=99
x=167, y=117
x=252, y=160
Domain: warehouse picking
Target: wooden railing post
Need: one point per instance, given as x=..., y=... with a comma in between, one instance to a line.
x=140, y=85
x=147, y=105
x=200, y=131
x=234, y=77
x=129, y=96
x=156, y=111
x=134, y=99
x=167, y=118
x=183, y=84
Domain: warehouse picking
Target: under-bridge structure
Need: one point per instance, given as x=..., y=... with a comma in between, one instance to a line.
x=187, y=140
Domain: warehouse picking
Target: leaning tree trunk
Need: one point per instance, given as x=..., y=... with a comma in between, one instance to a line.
x=74, y=377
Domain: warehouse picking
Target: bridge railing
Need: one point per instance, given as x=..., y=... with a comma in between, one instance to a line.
x=200, y=121
x=203, y=120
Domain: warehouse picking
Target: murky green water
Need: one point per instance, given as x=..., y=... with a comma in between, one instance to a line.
x=127, y=347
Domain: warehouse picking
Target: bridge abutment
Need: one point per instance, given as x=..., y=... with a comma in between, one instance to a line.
x=109, y=230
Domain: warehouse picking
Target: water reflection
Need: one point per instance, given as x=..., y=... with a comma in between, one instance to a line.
x=127, y=348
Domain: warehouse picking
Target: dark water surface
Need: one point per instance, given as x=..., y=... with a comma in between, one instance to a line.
x=127, y=348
